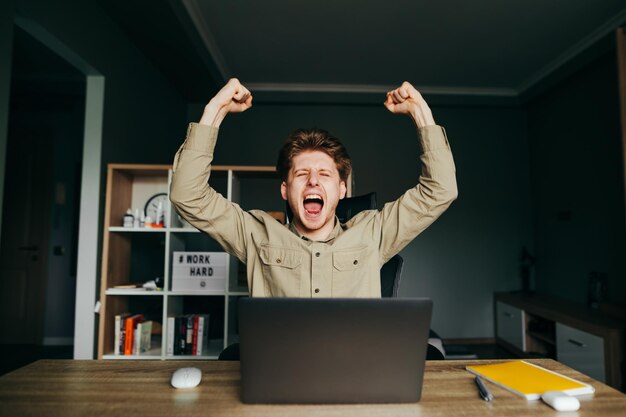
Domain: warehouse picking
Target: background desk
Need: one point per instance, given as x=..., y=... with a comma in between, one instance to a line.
x=141, y=388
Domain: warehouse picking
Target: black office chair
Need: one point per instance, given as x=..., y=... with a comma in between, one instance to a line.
x=391, y=272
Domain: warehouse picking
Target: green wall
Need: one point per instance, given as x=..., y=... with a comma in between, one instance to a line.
x=6, y=48
x=578, y=186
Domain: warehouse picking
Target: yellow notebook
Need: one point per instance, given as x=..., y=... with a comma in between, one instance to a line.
x=528, y=380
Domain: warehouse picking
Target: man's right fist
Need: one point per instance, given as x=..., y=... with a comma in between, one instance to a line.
x=232, y=98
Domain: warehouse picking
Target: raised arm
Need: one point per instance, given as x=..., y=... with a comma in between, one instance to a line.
x=402, y=220
x=190, y=193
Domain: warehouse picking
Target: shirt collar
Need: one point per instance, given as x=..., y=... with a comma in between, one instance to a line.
x=337, y=230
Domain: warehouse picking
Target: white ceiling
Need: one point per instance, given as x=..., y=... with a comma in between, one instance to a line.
x=480, y=47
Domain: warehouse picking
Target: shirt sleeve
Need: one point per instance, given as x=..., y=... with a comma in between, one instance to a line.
x=402, y=220
x=196, y=201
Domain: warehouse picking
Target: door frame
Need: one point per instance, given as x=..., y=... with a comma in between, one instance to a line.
x=87, y=259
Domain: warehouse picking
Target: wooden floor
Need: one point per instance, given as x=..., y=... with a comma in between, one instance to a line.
x=15, y=356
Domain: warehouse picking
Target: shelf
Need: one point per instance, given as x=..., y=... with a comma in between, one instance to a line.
x=194, y=294
x=544, y=337
x=141, y=291
x=183, y=230
x=137, y=229
x=135, y=255
x=133, y=291
x=213, y=352
x=153, y=354
x=238, y=293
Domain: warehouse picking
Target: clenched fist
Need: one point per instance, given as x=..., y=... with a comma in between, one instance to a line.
x=232, y=98
x=407, y=100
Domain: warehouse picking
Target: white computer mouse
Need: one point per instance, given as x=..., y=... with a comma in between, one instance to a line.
x=560, y=401
x=186, y=377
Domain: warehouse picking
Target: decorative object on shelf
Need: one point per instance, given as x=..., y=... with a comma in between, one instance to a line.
x=199, y=271
x=527, y=264
x=597, y=289
x=154, y=209
x=137, y=222
x=150, y=285
x=128, y=219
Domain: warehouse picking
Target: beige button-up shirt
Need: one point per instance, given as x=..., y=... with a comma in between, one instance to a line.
x=280, y=262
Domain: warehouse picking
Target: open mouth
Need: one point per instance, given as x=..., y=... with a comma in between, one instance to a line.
x=313, y=204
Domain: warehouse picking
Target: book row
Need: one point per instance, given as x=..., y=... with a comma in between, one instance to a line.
x=132, y=334
x=187, y=335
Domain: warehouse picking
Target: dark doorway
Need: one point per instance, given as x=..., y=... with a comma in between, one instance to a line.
x=40, y=205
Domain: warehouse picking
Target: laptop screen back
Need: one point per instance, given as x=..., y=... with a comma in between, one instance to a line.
x=296, y=350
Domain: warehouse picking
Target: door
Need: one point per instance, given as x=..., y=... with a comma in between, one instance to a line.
x=25, y=231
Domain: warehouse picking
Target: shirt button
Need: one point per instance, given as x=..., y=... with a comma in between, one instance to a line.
x=317, y=290
x=278, y=261
x=317, y=254
x=356, y=262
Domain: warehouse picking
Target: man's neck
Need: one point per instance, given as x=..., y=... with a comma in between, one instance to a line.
x=320, y=235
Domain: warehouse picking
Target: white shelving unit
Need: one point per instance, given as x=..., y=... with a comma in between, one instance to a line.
x=136, y=255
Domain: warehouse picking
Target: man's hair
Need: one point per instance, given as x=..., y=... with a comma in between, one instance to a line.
x=314, y=139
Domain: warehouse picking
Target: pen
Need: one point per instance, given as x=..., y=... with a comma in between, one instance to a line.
x=485, y=394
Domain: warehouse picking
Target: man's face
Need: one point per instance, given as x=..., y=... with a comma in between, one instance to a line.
x=313, y=189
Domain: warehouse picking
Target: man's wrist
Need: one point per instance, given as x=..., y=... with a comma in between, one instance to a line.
x=421, y=116
x=212, y=115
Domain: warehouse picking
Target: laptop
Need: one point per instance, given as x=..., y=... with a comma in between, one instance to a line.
x=321, y=351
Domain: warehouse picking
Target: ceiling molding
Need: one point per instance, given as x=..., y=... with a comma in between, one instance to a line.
x=54, y=44
x=574, y=51
x=533, y=83
x=377, y=89
x=197, y=17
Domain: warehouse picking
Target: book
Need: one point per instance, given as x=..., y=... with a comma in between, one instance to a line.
x=189, y=334
x=203, y=333
x=529, y=380
x=129, y=329
x=118, y=335
x=194, y=344
x=143, y=337
x=171, y=324
x=180, y=336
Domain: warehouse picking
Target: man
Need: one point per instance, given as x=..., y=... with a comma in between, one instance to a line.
x=314, y=256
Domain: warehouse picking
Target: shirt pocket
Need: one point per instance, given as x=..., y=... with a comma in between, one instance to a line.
x=281, y=270
x=349, y=278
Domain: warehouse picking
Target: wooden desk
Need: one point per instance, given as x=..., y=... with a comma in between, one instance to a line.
x=141, y=388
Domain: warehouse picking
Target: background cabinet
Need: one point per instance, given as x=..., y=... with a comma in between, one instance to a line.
x=136, y=255
x=510, y=325
x=582, y=338
x=580, y=350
